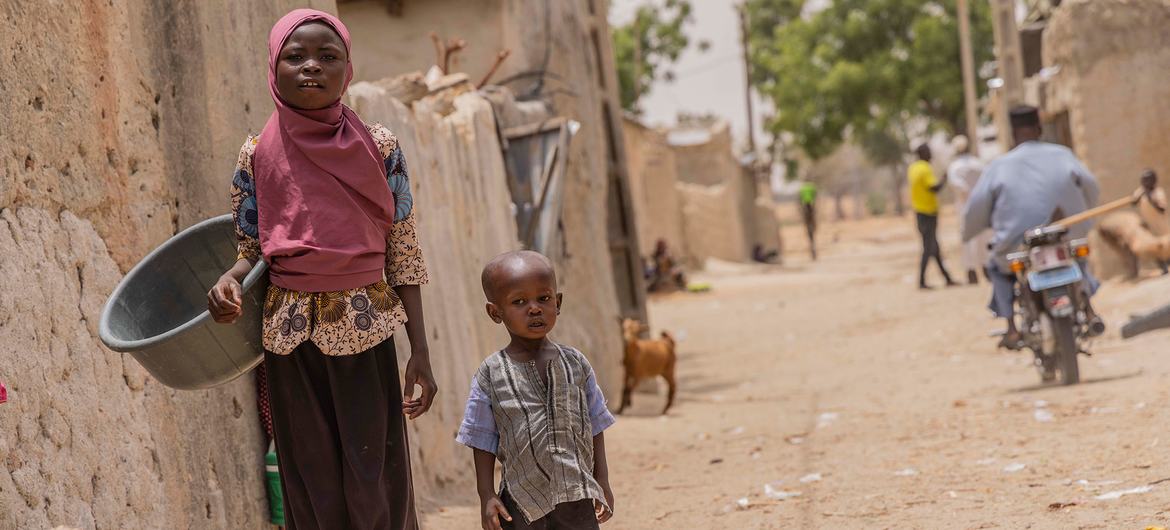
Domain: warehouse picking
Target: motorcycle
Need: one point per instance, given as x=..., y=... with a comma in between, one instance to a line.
x=1052, y=307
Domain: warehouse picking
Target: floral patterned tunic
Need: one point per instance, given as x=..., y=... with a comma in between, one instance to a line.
x=338, y=322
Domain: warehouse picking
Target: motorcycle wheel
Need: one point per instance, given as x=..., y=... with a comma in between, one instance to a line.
x=1066, y=350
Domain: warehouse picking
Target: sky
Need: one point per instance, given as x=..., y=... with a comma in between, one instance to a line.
x=707, y=82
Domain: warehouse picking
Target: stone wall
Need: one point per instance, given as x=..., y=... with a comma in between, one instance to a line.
x=1114, y=75
x=653, y=180
x=122, y=126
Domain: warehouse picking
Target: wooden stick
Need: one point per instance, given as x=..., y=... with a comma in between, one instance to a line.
x=453, y=47
x=1094, y=212
x=440, y=50
x=495, y=66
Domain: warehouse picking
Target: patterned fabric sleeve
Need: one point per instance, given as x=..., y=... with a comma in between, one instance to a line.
x=404, y=258
x=244, y=204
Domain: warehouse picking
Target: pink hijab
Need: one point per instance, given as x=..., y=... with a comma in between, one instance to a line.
x=325, y=208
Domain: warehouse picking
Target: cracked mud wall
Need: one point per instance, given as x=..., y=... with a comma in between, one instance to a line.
x=123, y=119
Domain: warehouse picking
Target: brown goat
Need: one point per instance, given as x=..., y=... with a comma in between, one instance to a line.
x=645, y=359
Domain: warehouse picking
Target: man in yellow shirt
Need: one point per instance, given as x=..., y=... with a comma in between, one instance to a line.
x=924, y=188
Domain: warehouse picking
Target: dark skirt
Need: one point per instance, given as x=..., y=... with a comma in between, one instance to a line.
x=341, y=439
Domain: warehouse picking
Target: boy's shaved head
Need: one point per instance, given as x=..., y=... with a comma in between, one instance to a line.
x=507, y=267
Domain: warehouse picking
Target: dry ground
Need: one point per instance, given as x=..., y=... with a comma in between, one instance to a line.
x=894, y=398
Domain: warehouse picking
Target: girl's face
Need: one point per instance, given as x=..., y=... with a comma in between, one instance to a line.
x=310, y=70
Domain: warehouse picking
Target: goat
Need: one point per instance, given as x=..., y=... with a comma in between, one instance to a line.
x=645, y=359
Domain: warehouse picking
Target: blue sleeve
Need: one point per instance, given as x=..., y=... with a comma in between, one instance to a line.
x=398, y=178
x=478, y=429
x=599, y=416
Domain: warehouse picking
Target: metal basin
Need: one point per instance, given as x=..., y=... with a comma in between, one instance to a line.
x=158, y=313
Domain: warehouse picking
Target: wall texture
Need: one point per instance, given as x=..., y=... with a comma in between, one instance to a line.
x=713, y=221
x=121, y=127
x=718, y=198
x=390, y=45
x=653, y=180
x=1118, y=127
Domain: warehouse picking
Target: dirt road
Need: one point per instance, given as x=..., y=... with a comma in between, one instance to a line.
x=876, y=405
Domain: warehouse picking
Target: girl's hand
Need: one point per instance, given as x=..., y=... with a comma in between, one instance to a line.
x=418, y=372
x=604, y=514
x=224, y=301
x=493, y=510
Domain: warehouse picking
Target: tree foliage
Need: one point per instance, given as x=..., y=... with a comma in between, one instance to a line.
x=646, y=47
x=862, y=68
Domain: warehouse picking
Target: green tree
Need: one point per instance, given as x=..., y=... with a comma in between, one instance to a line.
x=646, y=47
x=863, y=70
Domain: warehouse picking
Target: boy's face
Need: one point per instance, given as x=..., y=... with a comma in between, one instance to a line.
x=311, y=67
x=526, y=301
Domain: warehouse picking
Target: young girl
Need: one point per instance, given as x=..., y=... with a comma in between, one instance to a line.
x=536, y=406
x=324, y=198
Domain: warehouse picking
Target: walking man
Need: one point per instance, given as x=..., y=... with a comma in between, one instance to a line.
x=924, y=188
x=808, y=213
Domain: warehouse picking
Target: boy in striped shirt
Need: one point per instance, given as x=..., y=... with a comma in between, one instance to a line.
x=536, y=407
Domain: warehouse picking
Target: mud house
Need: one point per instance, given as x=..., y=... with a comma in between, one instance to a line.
x=1073, y=56
x=724, y=213
x=1118, y=128
x=128, y=135
x=690, y=190
x=654, y=187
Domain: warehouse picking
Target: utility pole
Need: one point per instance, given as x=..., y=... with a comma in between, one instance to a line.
x=969, y=93
x=747, y=77
x=637, y=61
x=1011, y=66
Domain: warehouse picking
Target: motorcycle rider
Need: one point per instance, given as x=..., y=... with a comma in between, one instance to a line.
x=1020, y=190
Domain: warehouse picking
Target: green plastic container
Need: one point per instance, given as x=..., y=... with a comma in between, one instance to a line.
x=275, y=494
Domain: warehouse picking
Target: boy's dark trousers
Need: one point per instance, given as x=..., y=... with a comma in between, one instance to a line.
x=928, y=229
x=577, y=515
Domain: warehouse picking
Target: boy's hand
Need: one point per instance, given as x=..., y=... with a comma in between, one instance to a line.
x=493, y=510
x=224, y=301
x=604, y=514
x=418, y=372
